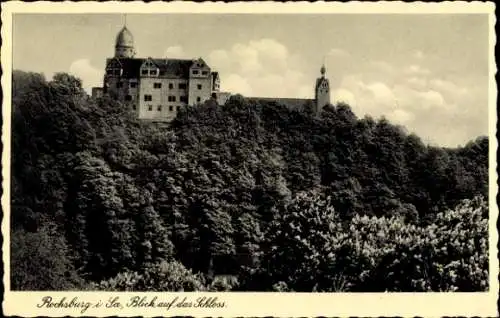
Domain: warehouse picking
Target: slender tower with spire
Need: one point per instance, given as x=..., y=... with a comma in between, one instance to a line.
x=322, y=90
x=124, y=46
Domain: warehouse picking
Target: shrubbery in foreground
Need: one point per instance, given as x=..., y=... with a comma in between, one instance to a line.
x=311, y=250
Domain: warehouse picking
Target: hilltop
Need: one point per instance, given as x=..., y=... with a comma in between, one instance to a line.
x=242, y=190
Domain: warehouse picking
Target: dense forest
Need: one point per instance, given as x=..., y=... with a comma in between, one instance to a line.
x=247, y=196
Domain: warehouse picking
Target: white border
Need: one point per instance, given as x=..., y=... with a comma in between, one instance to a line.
x=261, y=304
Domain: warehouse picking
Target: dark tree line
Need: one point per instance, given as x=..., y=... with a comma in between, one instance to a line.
x=245, y=196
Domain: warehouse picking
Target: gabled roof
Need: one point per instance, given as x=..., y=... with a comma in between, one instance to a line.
x=130, y=66
x=176, y=67
x=168, y=67
x=199, y=61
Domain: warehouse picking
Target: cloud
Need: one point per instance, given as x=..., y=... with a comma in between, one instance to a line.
x=419, y=55
x=175, y=52
x=416, y=69
x=381, y=67
x=400, y=116
x=432, y=99
x=345, y=96
x=440, y=109
x=219, y=58
x=338, y=53
x=90, y=75
x=237, y=84
x=450, y=89
x=269, y=48
x=417, y=82
x=381, y=92
x=262, y=68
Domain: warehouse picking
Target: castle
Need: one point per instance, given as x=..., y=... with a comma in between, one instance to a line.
x=157, y=88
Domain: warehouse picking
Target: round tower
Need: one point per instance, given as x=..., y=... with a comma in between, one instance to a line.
x=124, y=47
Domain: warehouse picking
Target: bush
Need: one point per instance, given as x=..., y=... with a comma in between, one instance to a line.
x=164, y=276
x=41, y=261
x=448, y=255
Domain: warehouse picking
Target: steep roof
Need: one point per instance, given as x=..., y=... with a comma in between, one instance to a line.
x=176, y=68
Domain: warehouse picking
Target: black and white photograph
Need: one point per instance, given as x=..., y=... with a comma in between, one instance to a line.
x=221, y=152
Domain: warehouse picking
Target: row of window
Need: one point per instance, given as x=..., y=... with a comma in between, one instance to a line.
x=159, y=108
x=148, y=72
x=196, y=72
x=154, y=72
x=171, y=98
x=182, y=99
x=157, y=85
x=171, y=86
x=115, y=72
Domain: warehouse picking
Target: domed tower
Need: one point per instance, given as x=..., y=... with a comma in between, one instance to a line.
x=322, y=91
x=124, y=47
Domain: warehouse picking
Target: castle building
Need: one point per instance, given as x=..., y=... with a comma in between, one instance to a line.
x=157, y=88
x=316, y=104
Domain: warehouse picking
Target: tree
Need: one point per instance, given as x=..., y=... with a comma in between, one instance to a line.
x=301, y=241
x=42, y=261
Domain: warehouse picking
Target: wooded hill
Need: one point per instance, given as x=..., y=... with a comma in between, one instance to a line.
x=244, y=196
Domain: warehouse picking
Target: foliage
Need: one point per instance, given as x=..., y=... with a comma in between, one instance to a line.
x=42, y=261
x=251, y=194
x=448, y=255
x=164, y=276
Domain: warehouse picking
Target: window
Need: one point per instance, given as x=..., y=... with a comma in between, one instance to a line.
x=153, y=72
x=134, y=107
x=170, y=86
x=199, y=86
x=159, y=108
x=150, y=107
x=182, y=86
x=171, y=98
x=117, y=72
x=133, y=85
x=148, y=98
x=178, y=108
x=128, y=98
x=198, y=99
x=204, y=73
x=157, y=85
x=119, y=84
x=171, y=108
x=195, y=72
x=110, y=72
x=183, y=99
x=144, y=72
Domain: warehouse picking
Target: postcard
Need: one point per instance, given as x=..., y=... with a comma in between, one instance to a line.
x=250, y=159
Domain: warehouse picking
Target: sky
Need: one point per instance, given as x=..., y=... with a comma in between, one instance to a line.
x=426, y=72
